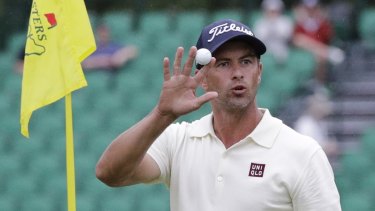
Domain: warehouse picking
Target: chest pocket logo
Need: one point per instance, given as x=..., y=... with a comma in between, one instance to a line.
x=256, y=170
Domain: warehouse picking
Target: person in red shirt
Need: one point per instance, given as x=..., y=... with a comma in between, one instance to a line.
x=313, y=32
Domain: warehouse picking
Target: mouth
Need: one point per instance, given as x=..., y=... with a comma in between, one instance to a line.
x=239, y=89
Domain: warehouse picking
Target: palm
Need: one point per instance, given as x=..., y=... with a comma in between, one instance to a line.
x=178, y=93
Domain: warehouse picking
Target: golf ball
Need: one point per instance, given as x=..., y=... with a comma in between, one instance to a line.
x=203, y=56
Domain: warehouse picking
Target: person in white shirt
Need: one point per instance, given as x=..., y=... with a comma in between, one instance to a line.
x=238, y=157
x=275, y=29
x=311, y=123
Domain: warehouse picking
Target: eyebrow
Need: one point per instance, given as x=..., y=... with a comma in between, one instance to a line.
x=251, y=54
x=242, y=57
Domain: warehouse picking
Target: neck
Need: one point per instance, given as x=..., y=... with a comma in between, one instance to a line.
x=231, y=128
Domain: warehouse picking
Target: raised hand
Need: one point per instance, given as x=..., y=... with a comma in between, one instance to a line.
x=178, y=93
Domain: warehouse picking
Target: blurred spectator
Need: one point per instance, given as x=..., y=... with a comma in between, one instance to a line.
x=313, y=32
x=109, y=55
x=311, y=123
x=18, y=65
x=275, y=29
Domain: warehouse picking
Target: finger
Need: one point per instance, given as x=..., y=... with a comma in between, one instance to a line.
x=177, y=61
x=166, y=74
x=212, y=63
x=204, y=70
x=190, y=60
x=205, y=98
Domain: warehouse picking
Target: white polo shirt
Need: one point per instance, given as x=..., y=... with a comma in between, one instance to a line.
x=273, y=168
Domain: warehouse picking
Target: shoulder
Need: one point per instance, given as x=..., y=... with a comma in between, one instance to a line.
x=294, y=147
x=177, y=137
x=200, y=127
x=302, y=153
x=296, y=141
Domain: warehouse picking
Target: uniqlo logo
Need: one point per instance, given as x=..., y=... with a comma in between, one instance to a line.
x=256, y=170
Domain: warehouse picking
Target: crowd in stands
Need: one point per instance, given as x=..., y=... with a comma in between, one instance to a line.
x=308, y=27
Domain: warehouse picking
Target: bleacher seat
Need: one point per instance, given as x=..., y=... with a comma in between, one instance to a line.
x=368, y=185
x=21, y=186
x=168, y=44
x=154, y=25
x=87, y=202
x=253, y=17
x=120, y=24
x=189, y=26
x=282, y=81
x=26, y=148
x=15, y=44
x=154, y=202
x=8, y=203
x=267, y=98
x=353, y=165
x=12, y=90
x=40, y=202
x=301, y=64
x=55, y=185
x=11, y=165
x=225, y=14
x=368, y=140
x=155, y=22
x=6, y=63
x=356, y=201
x=366, y=27
x=45, y=165
x=119, y=202
x=85, y=171
x=356, y=176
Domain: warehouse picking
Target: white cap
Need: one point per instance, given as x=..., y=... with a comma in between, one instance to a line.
x=273, y=5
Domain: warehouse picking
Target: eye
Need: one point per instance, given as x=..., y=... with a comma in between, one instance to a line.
x=222, y=64
x=246, y=61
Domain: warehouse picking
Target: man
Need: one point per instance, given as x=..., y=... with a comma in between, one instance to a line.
x=275, y=29
x=238, y=157
x=109, y=55
x=314, y=32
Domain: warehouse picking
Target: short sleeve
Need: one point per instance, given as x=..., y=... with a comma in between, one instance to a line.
x=162, y=151
x=316, y=189
x=158, y=152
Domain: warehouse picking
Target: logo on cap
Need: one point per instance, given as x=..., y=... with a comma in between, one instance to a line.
x=225, y=28
x=219, y=32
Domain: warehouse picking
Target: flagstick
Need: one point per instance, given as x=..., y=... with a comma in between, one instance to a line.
x=70, y=154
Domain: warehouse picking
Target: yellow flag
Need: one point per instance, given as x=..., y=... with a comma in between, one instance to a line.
x=59, y=38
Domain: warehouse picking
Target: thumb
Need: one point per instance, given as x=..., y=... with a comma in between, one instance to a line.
x=206, y=97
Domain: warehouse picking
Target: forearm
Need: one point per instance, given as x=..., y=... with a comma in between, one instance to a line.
x=121, y=159
x=125, y=161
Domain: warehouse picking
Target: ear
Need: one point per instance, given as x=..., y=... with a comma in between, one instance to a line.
x=260, y=73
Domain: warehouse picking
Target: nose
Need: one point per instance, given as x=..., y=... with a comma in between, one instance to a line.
x=237, y=73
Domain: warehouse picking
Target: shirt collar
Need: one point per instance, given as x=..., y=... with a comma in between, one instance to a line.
x=203, y=127
x=267, y=130
x=264, y=134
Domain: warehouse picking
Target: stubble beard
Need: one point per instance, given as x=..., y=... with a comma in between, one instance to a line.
x=232, y=103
